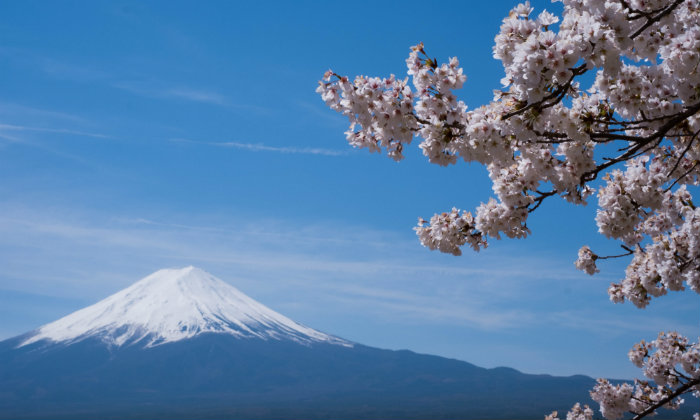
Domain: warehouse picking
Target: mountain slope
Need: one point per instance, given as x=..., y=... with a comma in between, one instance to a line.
x=172, y=305
x=183, y=344
x=215, y=376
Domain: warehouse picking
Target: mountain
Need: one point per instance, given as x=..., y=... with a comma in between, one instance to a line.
x=173, y=305
x=184, y=344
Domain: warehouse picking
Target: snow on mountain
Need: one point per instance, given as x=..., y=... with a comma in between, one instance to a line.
x=172, y=305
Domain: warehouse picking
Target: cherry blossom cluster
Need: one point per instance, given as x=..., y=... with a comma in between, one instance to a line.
x=670, y=362
x=536, y=145
x=670, y=261
x=440, y=114
x=630, y=136
x=446, y=232
x=576, y=413
x=380, y=111
x=586, y=260
x=613, y=399
x=661, y=358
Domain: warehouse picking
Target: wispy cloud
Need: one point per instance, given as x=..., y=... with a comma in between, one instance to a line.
x=14, y=111
x=300, y=258
x=259, y=147
x=83, y=73
x=197, y=95
x=10, y=138
x=596, y=322
x=430, y=308
x=12, y=127
x=70, y=71
x=341, y=269
x=157, y=90
x=53, y=67
x=13, y=134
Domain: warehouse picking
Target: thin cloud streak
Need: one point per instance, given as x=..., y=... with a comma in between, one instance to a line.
x=437, y=309
x=398, y=286
x=147, y=89
x=355, y=282
x=11, y=139
x=12, y=127
x=197, y=96
x=54, y=68
x=185, y=93
x=39, y=146
x=594, y=322
x=80, y=73
x=301, y=253
x=259, y=147
x=17, y=110
x=17, y=135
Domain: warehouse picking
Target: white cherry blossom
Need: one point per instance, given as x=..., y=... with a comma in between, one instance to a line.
x=628, y=133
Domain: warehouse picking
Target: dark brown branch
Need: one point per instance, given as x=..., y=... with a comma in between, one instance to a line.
x=680, y=158
x=681, y=375
x=679, y=391
x=540, y=199
x=610, y=134
x=682, y=176
x=642, y=142
x=652, y=20
x=644, y=119
x=615, y=136
x=607, y=257
x=557, y=95
x=635, y=14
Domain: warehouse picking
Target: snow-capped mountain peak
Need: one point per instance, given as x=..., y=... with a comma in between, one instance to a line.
x=172, y=305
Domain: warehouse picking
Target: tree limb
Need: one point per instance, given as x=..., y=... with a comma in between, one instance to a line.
x=680, y=390
x=652, y=20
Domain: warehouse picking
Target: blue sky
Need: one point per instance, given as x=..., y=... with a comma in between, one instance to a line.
x=136, y=136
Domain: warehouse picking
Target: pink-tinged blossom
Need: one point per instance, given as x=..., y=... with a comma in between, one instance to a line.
x=630, y=136
x=614, y=400
x=448, y=231
x=535, y=145
x=586, y=260
x=576, y=413
x=670, y=361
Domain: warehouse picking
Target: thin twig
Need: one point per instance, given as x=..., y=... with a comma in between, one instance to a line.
x=558, y=94
x=680, y=158
x=682, y=176
x=680, y=390
x=540, y=199
x=629, y=252
x=652, y=20
x=642, y=142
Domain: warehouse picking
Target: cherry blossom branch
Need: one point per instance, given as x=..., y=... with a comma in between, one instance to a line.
x=680, y=158
x=681, y=375
x=686, y=173
x=653, y=19
x=544, y=130
x=640, y=142
x=629, y=252
x=677, y=392
x=557, y=95
x=539, y=199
